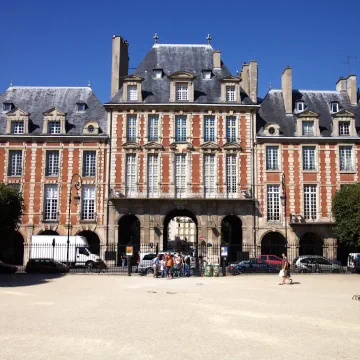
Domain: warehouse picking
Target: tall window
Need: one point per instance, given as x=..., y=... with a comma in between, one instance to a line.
x=346, y=163
x=17, y=127
x=310, y=202
x=209, y=128
x=54, y=127
x=231, y=178
x=230, y=93
x=272, y=158
x=153, y=174
x=15, y=163
x=180, y=173
x=180, y=128
x=131, y=128
x=209, y=175
x=153, y=125
x=334, y=107
x=344, y=128
x=88, y=202
x=89, y=163
x=309, y=158
x=300, y=106
x=52, y=163
x=131, y=174
x=51, y=202
x=273, y=203
x=231, y=129
x=308, y=128
x=132, y=93
x=181, y=91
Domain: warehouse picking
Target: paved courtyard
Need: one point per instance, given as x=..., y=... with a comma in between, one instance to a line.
x=118, y=317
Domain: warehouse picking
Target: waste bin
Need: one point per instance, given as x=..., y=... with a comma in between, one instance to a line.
x=216, y=271
x=209, y=270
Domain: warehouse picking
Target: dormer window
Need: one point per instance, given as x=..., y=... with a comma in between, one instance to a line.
x=54, y=127
x=7, y=107
x=230, y=93
x=344, y=128
x=334, y=107
x=17, y=127
x=207, y=74
x=308, y=128
x=132, y=93
x=158, y=73
x=181, y=91
x=300, y=106
x=80, y=107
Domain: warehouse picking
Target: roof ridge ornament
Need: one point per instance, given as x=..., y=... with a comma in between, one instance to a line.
x=209, y=38
x=11, y=83
x=156, y=38
x=89, y=84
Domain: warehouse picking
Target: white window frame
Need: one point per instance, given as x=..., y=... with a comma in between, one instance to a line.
x=231, y=128
x=210, y=178
x=334, y=107
x=88, y=203
x=180, y=128
x=310, y=201
x=7, y=107
x=153, y=127
x=131, y=175
x=51, y=202
x=346, y=161
x=17, y=127
x=300, y=106
x=153, y=175
x=309, y=161
x=181, y=91
x=158, y=74
x=52, y=163
x=15, y=162
x=206, y=74
x=89, y=163
x=132, y=93
x=181, y=176
x=209, y=128
x=80, y=107
x=273, y=203
x=272, y=158
x=230, y=93
x=231, y=174
x=344, y=128
x=306, y=126
x=54, y=127
x=131, y=128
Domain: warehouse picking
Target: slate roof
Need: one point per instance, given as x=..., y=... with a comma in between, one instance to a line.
x=188, y=58
x=273, y=110
x=37, y=100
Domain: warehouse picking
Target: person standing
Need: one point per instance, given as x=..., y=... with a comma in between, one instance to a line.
x=123, y=261
x=285, y=267
x=169, y=265
x=156, y=266
x=162, y=267
x=187, y=265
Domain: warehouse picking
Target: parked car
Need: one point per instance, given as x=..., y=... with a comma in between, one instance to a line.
x=253, y=265
x=7, y=268
x=45, y=266
x=271, y=259
x=315, y=263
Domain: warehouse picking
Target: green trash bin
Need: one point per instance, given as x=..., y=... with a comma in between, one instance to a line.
x=216, y=270
x=209, y=270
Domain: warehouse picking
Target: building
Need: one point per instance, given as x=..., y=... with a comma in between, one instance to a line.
x=48, y=134
x=181, y=229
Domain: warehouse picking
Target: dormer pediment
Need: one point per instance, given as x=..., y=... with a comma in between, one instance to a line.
x=131, y=146
x=210, y=146
x=182, y=75
x=232, y=147
x=133, y=77
x=344, y=113
x=152, y=145
x=54, y=111
x=307, y=114
x=231, y=78
x=17, y=112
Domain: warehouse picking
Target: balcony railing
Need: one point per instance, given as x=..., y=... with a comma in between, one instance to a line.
x=165, y=191
x=315, y=218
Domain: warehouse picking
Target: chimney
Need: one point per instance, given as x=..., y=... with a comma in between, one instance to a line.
x=245, y=84
x=253, y=81
x=351, y=89
x=120, y=62
x=341, y=84
x=216, y=60
x=286, y=86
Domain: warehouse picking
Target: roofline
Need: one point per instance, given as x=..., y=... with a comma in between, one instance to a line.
x=49, y=87
x=312, y=138
x=54, y=137
x=180, y=104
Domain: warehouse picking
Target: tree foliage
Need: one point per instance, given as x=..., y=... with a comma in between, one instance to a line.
x=346, y=209
x=11, y=209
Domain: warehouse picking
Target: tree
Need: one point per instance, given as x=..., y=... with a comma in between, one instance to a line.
x=11, y=209
x=346, y=209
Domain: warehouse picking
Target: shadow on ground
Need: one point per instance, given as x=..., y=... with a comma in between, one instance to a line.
x=17, y=280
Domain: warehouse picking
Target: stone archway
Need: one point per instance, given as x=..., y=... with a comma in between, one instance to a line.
x=12, y=249
x=49, y=232
x=273, y=243
x=231, y=236
x=92, y=239
x=128, y=235
x=311, y=244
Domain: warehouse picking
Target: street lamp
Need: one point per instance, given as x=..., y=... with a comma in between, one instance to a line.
x=284, y=203
x=77, y=185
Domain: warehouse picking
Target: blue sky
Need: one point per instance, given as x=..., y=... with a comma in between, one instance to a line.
x=67, y=43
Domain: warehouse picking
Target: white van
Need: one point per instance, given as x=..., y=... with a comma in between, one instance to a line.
x=56, y=247
x=353, y=263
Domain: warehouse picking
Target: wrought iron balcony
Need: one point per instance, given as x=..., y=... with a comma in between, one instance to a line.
x=315, y=218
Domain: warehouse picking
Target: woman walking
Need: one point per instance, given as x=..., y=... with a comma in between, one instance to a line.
x=285, y=268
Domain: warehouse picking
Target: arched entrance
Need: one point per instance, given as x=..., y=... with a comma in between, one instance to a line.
x=185, y=238
x=92, y=239
x=273, y=243
x=311, y=244
x=48, y=232
x=12, y=249
x=231, y=236
x=129, y=234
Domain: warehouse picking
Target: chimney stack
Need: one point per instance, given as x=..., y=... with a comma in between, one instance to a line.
x=120, y=62
x=216, y=60
x=341, y=84
x=253, y=81
x=351, y=89
x=286, y=86
x=245, y=84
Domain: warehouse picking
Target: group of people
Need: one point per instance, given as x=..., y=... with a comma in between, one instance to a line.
x=167, y=265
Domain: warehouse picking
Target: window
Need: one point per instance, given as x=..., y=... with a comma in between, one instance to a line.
x=180, y=128
x=17, y=127
x=231, y=178
x=131, y=174
x=308, y=128
x=273, y=202
x=51, y=202
x=344, y=128
x=52, y=163
x=300, y=106
x=131, y=128
x=272, y=130
x=209, y=128
x=206, y=74
x=309, y=158
x=209, y=175
x=91, y=129
x=153, y=174
x=272, y=158
x=180, y=173
x=346, y=158
x=88, y=202
x=153, y=124
x=334, y=107
x=54, y=127
x=89, y=163
x=15, y=163
x=132, y=94
x=7, y=107
x=80, y=107
x=310, y=202
x=231, y=129
x=230, y=93
x=158, y=73
x=181, y=91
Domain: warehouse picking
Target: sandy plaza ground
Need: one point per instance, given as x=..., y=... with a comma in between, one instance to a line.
x=119, y=317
